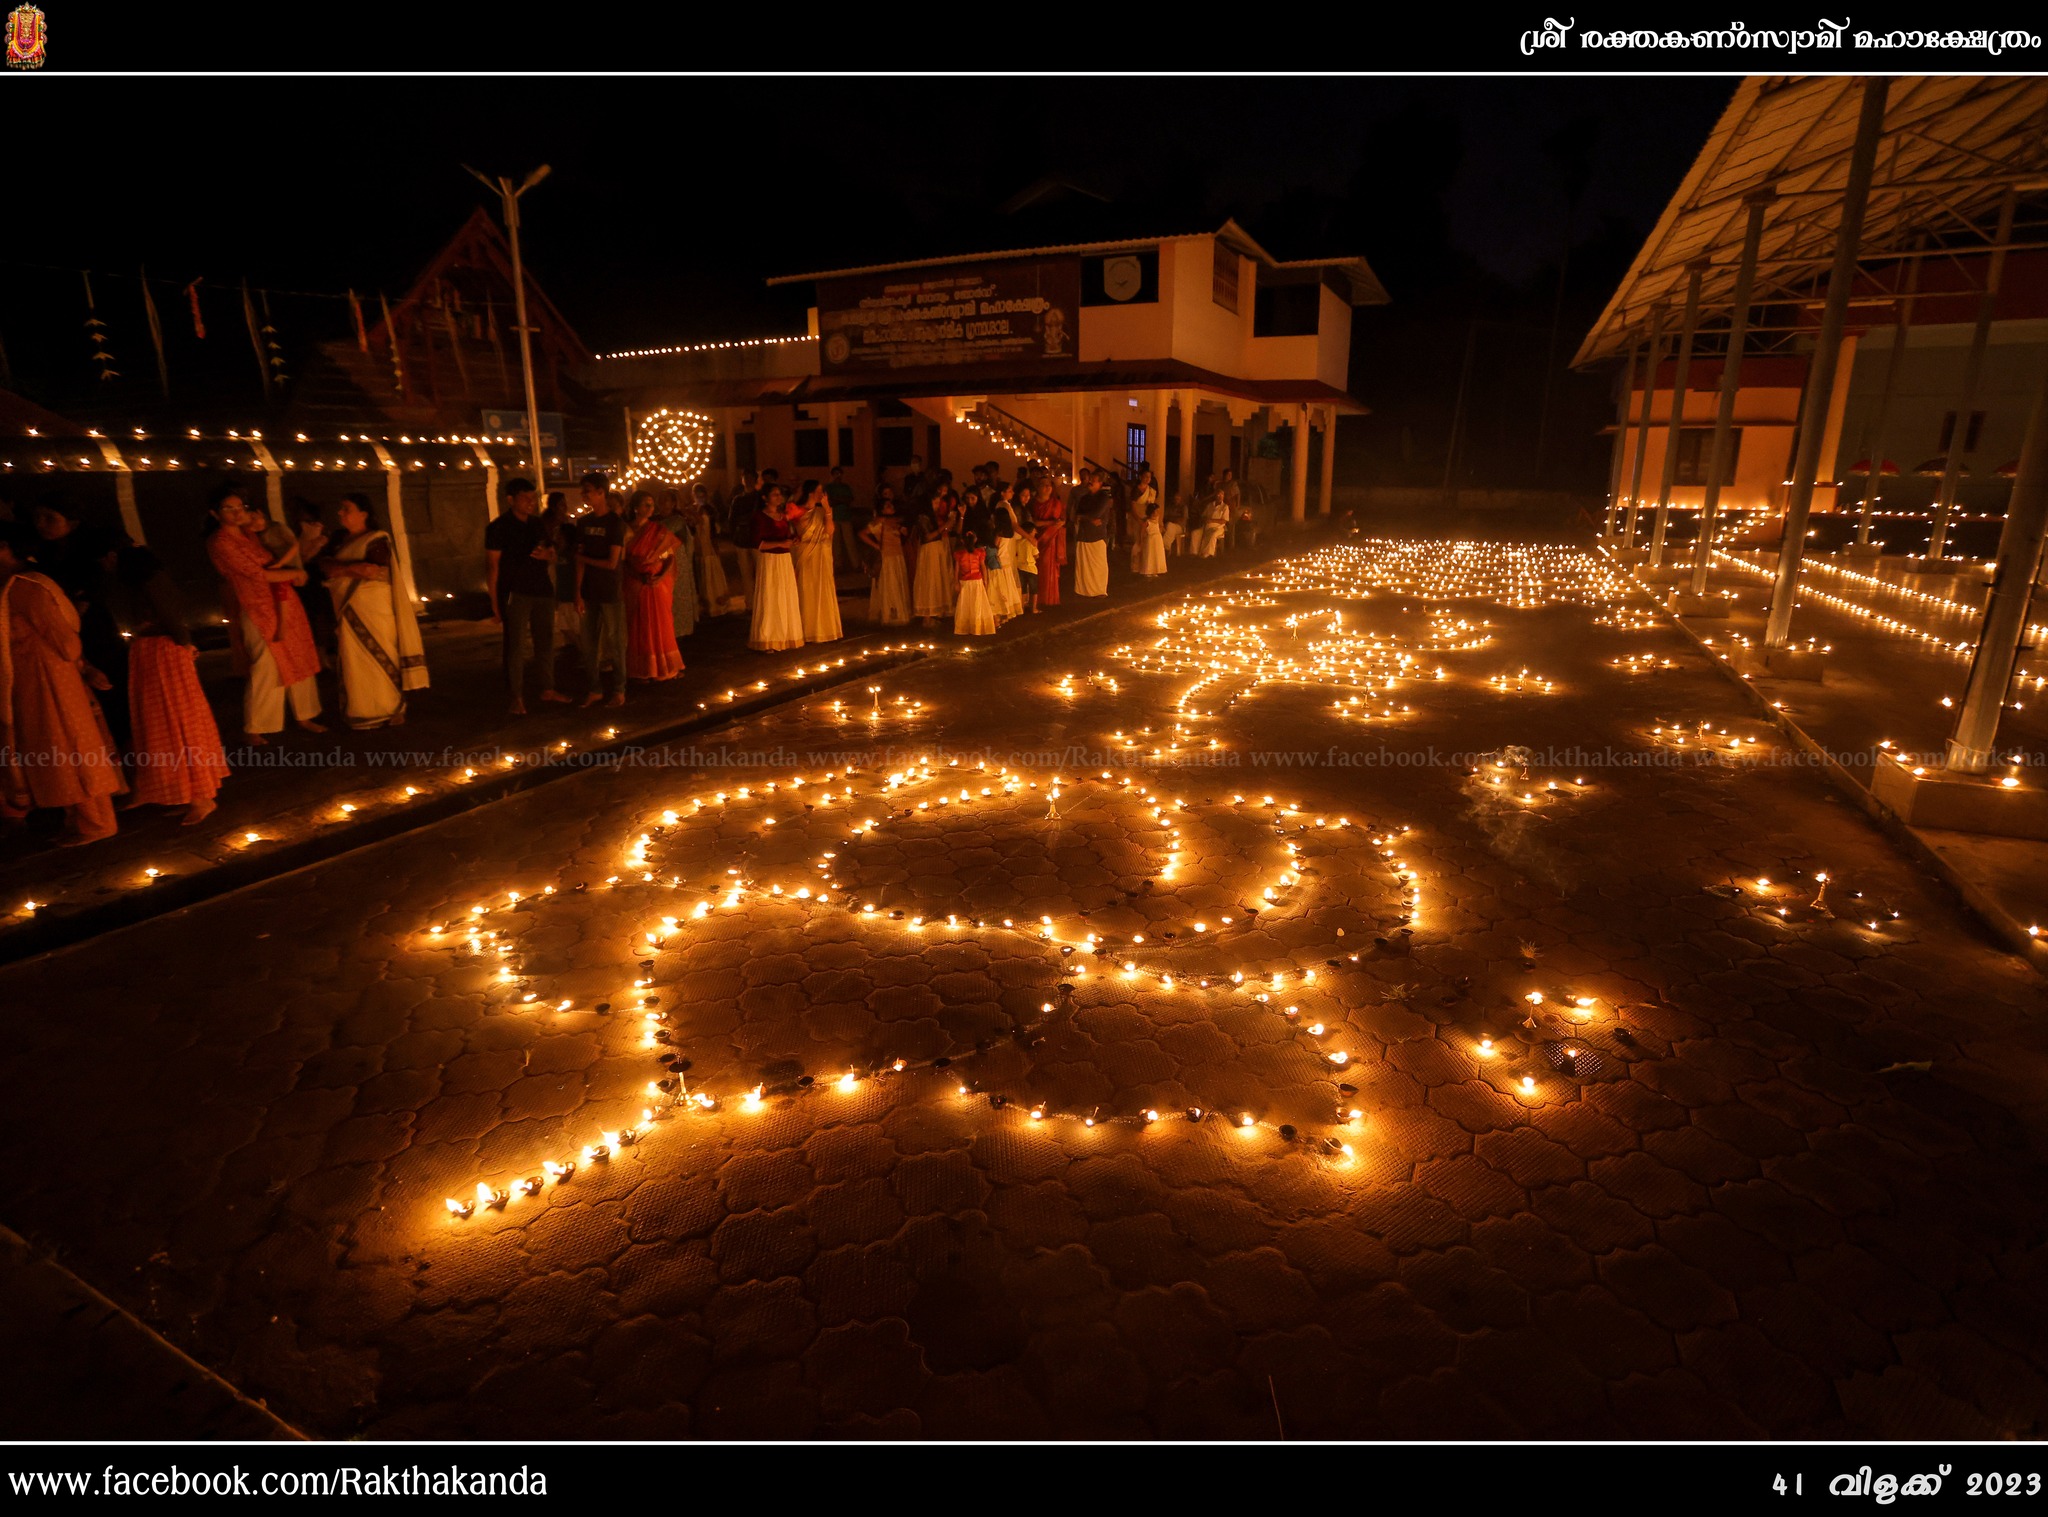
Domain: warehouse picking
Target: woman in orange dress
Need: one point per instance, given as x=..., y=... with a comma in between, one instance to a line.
x=176, y=756
x=267, y=621
x=57, y=751
x=651, y=649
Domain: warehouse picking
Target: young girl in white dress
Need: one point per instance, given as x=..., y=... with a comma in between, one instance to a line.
x=1151, y=546
x=972, y=617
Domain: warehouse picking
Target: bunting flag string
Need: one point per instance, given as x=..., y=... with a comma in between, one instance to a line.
x=391, y=335
x=255, y=338
x=355, y=311
x=96, y=333
x=192, y=298
x=454, y=338
x=277, y=373
x=156, y=335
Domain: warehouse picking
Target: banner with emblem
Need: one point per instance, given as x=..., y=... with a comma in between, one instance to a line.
x=1013, y=311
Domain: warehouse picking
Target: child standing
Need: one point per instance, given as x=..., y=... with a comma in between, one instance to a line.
x=1024, y=559
x=972, y=615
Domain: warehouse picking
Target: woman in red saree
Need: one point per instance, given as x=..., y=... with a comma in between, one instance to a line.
x=651, y=649
x=1050, y=512
x=55, y=749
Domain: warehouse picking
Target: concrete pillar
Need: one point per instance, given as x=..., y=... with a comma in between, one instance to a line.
x=1077, y=442
x=1628, y=389
x=1155, y=439
x=2012, y=584
x=1875, y=443
x=1297, y=474
x=1635, y=487
x=124, y=490
x=1329, y=457
x=1838, y=408
x=1799, y=504
x=1190, y=407
x=1695, y=272
x=394, y=511
x=728, y=423
x=1731, y=381
x=1987, y=305
x=273, y=481
x=490, y=481
x=865, y=467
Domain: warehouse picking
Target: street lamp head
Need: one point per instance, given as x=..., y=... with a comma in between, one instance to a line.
x=535, y=178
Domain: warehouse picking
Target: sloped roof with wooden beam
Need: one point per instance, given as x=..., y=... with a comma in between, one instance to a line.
x=479, y=241
x=1951, y=149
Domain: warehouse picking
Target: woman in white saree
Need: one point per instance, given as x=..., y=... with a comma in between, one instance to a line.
x=377, y=629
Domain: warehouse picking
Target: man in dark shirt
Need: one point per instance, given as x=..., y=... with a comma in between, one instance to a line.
x=600, y=548
x=846, y=524
x=521, y=554
x=741, y=522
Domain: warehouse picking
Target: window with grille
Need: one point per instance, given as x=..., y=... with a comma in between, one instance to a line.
x=1696, y=449
x=1134, y=447
x=1226, y=276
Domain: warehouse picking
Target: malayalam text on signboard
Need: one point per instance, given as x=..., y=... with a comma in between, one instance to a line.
x=1027, y=311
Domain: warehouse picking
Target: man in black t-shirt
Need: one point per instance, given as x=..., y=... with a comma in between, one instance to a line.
x=600, y=548
x=521, y=554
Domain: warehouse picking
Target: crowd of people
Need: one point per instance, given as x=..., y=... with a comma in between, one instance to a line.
x=980, y=550
x=101, y=706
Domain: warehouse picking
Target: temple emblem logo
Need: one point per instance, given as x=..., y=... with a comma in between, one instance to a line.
x=28, y=36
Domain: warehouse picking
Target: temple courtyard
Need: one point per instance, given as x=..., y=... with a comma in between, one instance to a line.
x=1404, y=989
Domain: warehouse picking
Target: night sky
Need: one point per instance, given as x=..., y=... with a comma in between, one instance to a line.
x=672, y=200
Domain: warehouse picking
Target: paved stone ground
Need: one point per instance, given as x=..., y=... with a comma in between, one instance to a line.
x=1800, y=1194
x=1887, y=684
x=86, y=1369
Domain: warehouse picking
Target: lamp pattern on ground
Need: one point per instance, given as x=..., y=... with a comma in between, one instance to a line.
x=719, y=851
x=1154, y=961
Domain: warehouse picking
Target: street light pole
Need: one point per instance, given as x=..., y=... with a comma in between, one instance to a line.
x=509, y=196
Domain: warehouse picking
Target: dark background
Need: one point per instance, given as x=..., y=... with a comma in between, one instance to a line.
x=672, y=200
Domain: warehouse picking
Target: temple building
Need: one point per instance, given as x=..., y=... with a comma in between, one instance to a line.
x=1833, y=348
x=1193, y=353
x=1943, y=334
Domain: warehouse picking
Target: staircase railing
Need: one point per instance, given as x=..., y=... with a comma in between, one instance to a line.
x=1049, y=448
